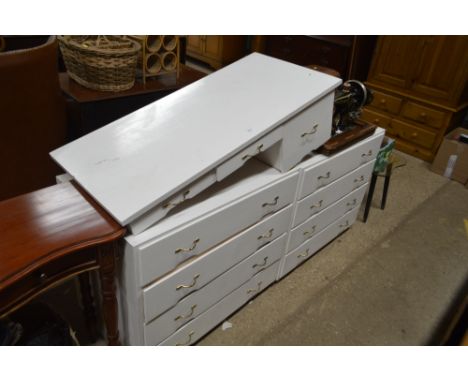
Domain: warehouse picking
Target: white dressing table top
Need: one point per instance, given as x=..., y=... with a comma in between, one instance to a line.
x=138, y=161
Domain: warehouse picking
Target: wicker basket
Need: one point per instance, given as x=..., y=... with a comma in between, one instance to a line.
x=105, y=63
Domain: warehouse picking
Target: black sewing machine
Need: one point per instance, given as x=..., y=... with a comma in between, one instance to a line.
x=350, y=98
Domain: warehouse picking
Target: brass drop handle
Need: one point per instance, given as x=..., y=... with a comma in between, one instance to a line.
x=360, y=179
x=305, y=254
x=194, y=281
x=188, y=341
x=308, y=233
x=414, y=135
x=377, y=120
x=173, y=204
x=259, y=286
x=248, y=156
x=326, y=176
x=423, y=115
x=266, y=235
x=369, y=154
x=311, y=132
x=192, y=247
x=383, y=101
x=352, y=204
x=273, y=203
x=344, y=225
x=261, y=265
x=317, y=205
x=192, y=310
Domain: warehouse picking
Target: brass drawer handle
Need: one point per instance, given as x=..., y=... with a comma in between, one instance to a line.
x=188, y=341
x=194, y=281
x=261, y=265
x=326, y=176
x=259, y=285
x=423, y=115
x=308, y=233
x=360, y=179
x=311, y=132
x=369, y=154
x=352, y=204
x=414, y=135
x=266, y=235
x=173, y=204
x=344, y=225
x=317, y=205
x=180, y=317
x=193, y=246
x=273, y=203
x=305, y=254
x=383, y=101
x=248, y=156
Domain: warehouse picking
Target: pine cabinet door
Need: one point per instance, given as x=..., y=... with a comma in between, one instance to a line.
x=195, y=44
x=393, y=60
x=442, y=67
x=213, y=47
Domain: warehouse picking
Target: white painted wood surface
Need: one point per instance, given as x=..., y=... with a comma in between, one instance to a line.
x=160, y=256
x=138, y=161
x=319, y=173
x=318, y=222
x=302, y=134
x=311, y=246
x=164, y=293
x=194, y=330
x=323, y=197
x=246, y=180
x=199, y=301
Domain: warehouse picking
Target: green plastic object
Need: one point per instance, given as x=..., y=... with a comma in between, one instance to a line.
x=384, y=154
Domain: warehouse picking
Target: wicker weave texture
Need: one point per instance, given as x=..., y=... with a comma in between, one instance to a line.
x=106, y=63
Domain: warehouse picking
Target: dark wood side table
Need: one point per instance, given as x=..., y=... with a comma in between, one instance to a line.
x=89, y=109
x=51, y=235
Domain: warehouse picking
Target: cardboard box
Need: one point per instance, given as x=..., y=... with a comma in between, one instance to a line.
x=451, y=160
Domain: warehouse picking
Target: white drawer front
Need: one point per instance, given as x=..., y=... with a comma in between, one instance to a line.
x=322, y=198
x=307, y=131
x=255, y=149
x=197, y=328
x=165, y=253
x=321, y=220
x=166, y=292
x=303, y=133
x=157, y=213
x=311, y=246
x=199, y=301
x=339, y=164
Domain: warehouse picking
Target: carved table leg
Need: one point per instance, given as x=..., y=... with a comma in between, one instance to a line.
x=107, y=258
x=88, y=306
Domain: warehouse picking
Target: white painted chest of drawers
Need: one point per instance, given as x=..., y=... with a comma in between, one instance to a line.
x=210, y=183
x=229, y=244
